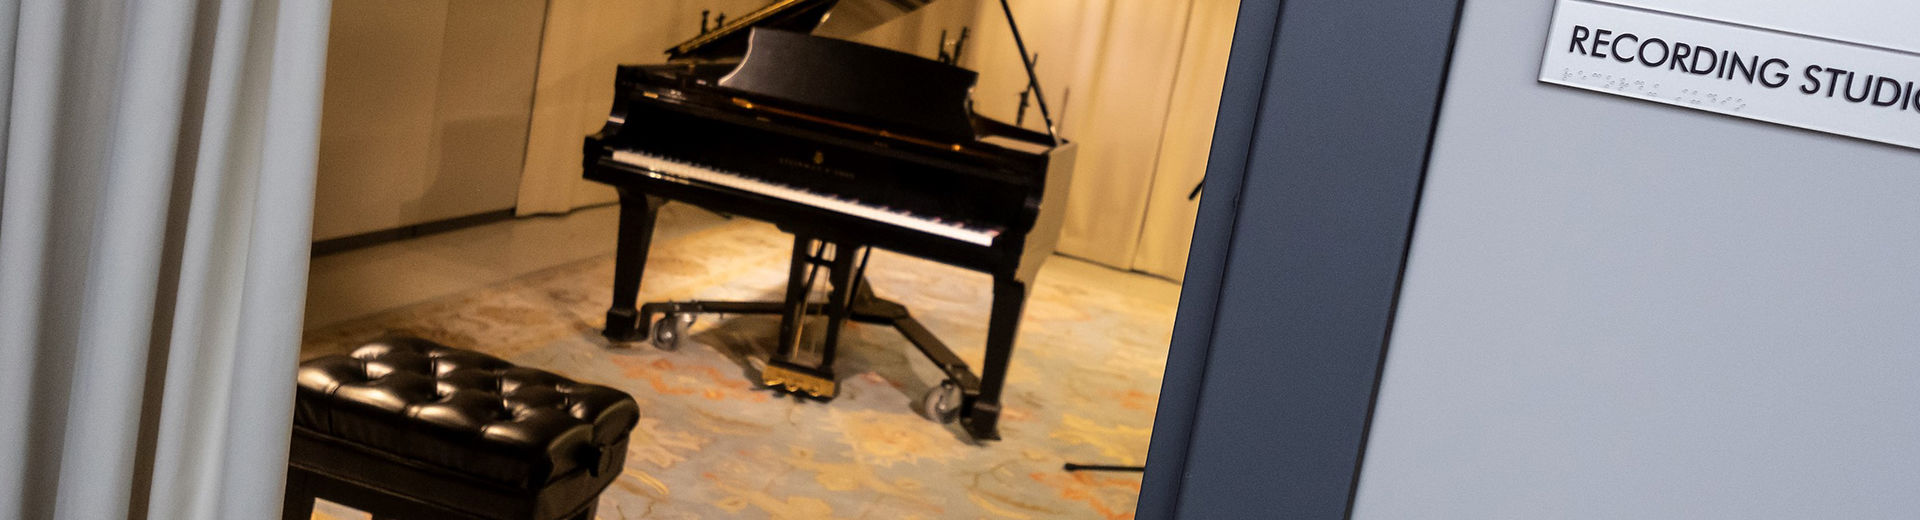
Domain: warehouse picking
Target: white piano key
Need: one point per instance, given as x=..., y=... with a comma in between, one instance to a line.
x=827, y=202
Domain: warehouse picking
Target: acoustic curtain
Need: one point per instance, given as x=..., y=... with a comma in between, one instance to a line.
x=1167, y=228
x=156, y=186
x=1137, y=84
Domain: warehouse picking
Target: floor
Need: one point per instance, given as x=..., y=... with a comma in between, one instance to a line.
x=712, y=444
x=362, y=282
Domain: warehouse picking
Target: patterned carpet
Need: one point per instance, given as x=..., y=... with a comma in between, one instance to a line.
x=1085, y=375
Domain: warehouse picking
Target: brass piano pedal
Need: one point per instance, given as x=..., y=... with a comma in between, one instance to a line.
x=797, y=379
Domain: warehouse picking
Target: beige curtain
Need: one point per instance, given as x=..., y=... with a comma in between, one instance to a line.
x=1136, y=83
x=1107, y=66
x=1167, y=228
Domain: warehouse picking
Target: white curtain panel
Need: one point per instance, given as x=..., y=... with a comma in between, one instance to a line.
x=155, y=210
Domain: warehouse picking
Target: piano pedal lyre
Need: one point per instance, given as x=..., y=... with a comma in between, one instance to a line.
x=783, y=371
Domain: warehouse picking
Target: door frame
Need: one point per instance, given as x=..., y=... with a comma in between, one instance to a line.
x=1326, y=121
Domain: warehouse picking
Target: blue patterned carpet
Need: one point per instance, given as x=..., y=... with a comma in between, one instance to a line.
x=1085, y=376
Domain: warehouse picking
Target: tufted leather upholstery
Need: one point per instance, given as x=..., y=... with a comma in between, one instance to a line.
x=466, y=411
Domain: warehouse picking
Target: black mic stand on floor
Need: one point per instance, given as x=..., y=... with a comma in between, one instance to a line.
x=1101, y=467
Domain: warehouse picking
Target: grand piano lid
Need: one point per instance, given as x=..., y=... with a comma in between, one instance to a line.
x=853, y=17
x=838, y=19
x=878, y=87
x=833, y=18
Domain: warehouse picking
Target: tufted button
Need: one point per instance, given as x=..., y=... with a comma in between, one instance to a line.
x=326, y=374
x=393, y=393
x=458, y=411
x=463, y=409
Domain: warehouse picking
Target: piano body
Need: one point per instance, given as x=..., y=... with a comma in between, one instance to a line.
x=847, y=147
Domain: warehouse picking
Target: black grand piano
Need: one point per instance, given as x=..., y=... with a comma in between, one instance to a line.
x=847, y=147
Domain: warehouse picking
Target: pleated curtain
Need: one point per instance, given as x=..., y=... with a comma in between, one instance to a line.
x=155, y=210
x=1137, y=84
x=1167, y=227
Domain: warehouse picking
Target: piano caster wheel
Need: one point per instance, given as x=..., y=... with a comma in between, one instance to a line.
x=669, y=330
x=942, y=403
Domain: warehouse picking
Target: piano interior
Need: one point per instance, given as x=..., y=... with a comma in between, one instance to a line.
x=885, y=258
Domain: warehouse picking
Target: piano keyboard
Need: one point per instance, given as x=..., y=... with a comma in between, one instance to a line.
x=695, y=172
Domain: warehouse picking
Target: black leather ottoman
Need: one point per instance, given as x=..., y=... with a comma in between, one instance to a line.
x=408, y=428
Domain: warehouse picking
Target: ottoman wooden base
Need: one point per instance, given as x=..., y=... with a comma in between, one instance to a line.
x=391, y=488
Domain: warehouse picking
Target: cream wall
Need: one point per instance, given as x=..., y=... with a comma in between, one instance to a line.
x=585, y=41
x=426, y=111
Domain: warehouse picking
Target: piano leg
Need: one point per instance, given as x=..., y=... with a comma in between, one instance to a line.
x=982, y=416
x=783, y=370
x=637, y=212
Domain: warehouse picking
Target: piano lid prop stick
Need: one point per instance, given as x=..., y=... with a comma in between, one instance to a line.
x=1032, y=79
x=1066, y=102
x=1020, y=118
